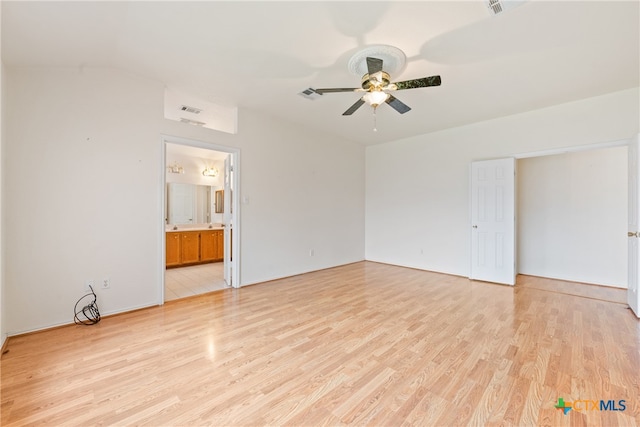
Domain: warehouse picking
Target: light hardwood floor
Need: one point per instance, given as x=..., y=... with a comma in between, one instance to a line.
x=362, y=344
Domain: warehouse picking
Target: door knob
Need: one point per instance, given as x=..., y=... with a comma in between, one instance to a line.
x=632, y=234
x=475, y=226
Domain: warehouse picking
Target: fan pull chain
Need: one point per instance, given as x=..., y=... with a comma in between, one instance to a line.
x=375, y=121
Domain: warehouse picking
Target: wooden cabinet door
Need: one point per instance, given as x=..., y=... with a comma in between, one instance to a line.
x=190, y=245
x=208, y=245
x=173, y=249
x=219, y=245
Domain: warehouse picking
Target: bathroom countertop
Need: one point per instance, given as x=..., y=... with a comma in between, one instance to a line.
x=171, y=230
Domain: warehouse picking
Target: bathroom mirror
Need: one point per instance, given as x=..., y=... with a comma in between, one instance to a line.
x=219, y=201
x=188, y=204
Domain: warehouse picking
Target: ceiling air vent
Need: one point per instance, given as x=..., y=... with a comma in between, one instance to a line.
x=192, y=110
x=310, y=94
x=496, y=7
x=192, y=122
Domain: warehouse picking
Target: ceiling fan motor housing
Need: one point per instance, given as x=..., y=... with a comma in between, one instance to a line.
x=376, y=81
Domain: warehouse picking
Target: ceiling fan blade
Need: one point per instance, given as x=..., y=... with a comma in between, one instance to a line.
x=397, y=105
x=337, y=89
x=354, y=107
x=416, y=83
x=374, y=65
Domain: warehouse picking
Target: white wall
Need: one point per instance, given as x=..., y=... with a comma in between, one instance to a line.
x=303, y=191
x=83, y=155
x=83, y=150
x=572, y=221
x=417, y=189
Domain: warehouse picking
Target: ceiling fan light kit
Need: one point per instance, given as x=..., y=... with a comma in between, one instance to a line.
x=376, y=82
x=375, y=98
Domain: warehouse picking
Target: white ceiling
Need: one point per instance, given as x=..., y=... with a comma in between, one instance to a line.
x=260, y=55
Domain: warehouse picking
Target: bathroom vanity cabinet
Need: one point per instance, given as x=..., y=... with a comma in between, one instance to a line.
x=194, y=247
x=173, y=249
x=211, y=245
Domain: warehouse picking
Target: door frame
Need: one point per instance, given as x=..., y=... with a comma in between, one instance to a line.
x=633, y=226
x=542, y=153
x=235, y=213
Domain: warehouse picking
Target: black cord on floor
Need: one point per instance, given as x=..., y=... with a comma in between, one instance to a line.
x=90, y=314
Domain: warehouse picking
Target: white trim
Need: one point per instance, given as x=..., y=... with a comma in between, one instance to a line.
x=235, y=249
x=103, y=315
x=633, y=297
x=574, y=148
x=162, y=258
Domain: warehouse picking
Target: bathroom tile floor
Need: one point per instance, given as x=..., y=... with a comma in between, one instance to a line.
x=183, y=282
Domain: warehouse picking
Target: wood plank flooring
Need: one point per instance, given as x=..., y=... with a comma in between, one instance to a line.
x=362, y=344
x=604, y=293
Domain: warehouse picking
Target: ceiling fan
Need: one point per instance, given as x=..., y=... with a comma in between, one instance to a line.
x=377, y=83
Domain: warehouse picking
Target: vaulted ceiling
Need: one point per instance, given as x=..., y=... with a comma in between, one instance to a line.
x=260, y=55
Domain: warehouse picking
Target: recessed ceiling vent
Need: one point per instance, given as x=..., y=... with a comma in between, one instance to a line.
x=310, y=94
x=192, y=110
x=496, y=7
x=192, y=122
x=186, y=108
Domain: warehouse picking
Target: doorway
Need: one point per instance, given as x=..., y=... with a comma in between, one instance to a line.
x=197, y=255
x=572, y=216
x=543, y=243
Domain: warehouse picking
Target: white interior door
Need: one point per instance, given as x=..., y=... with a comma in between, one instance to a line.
x=633, y=297
x=227, y=220
x=181, y=198
x=493, y=221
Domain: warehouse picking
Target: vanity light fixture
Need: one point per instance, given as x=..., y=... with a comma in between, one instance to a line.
x=212, y=172
x=176, y=168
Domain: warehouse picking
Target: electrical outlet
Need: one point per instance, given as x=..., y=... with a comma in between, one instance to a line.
x=311, y=252
x=87, y=283
x=106, y=283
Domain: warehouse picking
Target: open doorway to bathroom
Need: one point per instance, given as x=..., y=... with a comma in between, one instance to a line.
x=197, y=224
